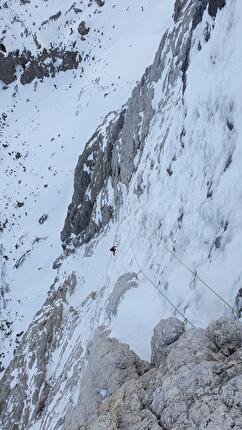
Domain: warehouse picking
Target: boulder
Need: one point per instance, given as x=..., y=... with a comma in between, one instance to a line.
x=100, y=2
x=226, y=334
x=83, y=29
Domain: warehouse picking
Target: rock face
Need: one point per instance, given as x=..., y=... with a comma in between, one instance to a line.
x=111, y=156
x=165, y=333
x=238, y=301
x=194, y=381
x=109, y=365
x=7, y=69
x=196, y=385
x=33, y=391
x=214, y=6
x=226, y=335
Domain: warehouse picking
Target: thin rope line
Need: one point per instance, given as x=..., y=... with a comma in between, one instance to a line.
x=200, y=279
x=156, y=287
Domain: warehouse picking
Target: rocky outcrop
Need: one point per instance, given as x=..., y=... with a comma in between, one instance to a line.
x=195, y=385
x=7, y=69
x=83, y=29
x=193, y=381
x=110, y=158
x=214, y=6
x=109, y=365
x=165, y=333
x=25, y=383
x=45, y=64
x=238, y=301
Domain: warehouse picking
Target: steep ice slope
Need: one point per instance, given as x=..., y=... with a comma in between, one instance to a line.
x=45, y=125
x=173, y=175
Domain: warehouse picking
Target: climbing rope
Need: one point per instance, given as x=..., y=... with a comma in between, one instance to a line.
x=157, y=288
x=194, y=273
x=200, y=279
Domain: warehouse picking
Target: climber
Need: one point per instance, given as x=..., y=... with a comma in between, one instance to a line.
x=113, y=249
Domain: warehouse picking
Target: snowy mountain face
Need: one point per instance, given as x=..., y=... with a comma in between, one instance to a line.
x=45, y=125
x=147, y=95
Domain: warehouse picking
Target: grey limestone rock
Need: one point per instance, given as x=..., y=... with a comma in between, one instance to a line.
x=109, y=365
x=195, y=387
x=165, y=333
x=226, y=334
x=238, y=301
x=125, y=410
x=25, y=382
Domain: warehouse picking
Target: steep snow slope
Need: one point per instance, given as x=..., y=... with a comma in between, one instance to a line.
x=45, y=126
x=167, y=170
x=192, y=194
x=178, y=182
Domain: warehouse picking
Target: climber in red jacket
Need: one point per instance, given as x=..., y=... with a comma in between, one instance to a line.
x=113, y=250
